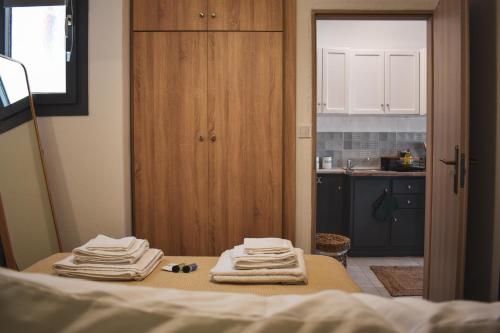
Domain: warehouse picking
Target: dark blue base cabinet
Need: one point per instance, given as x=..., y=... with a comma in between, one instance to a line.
x=331, y=206
x=402, y=232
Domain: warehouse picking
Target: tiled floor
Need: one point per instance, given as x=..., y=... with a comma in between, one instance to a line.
x=359, y=269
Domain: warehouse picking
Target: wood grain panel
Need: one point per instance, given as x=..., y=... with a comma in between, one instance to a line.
x=169, y=15
x=170, y=161
x=289, y=117
x=245, y=15
x=245, y=115
x=450, y=128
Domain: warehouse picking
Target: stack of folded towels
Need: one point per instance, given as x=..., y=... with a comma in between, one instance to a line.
x=261, y=260
x=105, y=258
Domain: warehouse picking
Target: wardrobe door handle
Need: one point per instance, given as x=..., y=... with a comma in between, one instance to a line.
x=213, y=138
x=201, y=138
x=213, y=15
x=202, y=14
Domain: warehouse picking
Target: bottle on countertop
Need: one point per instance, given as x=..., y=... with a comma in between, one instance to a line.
x=407, y=159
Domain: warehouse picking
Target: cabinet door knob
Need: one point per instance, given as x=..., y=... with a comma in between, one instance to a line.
x=340, y=188
x=319, y=180
x=409, y=187
x=202, y=14
x=213, y=138
x=409, y=202
x=395, y=220
x=213, y=15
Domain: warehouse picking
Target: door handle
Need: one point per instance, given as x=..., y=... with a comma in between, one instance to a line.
x=213, y=138
x=455, y=164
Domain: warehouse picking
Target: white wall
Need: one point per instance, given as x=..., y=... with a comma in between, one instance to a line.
x=88, y=158
x=339, y=123
x=368, y=34
x=304, y=92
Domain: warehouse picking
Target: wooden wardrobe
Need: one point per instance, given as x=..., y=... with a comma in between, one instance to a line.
x=208, y=123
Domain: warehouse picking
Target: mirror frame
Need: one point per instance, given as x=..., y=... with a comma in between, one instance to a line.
x=4, y=232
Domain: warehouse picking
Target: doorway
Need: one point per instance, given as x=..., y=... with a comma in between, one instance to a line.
x=370, y=130
x=447, y=153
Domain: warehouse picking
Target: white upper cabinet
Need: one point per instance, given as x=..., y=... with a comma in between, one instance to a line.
x=319, y=80
x=402, y=82
x=335, y=81
x=367, y=82
x=384, y=82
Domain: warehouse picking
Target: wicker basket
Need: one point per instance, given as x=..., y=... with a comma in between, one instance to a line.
x=333, y=245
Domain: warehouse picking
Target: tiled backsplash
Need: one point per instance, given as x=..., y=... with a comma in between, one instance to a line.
x=366, y=148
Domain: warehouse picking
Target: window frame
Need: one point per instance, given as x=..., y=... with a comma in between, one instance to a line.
x=75, y=101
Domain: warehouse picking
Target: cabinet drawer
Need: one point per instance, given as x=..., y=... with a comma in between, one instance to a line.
x=410, y=201
x=408, y=185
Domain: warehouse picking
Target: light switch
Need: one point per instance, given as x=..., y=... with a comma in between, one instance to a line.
x=305, y=131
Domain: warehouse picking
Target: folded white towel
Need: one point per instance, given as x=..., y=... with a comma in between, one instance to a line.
x=225, y=272
x=267, y=245
x=138, y=271
x=243, y=260
x=105, y=243
x=84, y=255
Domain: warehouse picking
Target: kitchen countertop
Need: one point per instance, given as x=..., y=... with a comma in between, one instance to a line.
x=370, y=173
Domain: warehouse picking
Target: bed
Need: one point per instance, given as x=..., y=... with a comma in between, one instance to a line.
x=46, y=303
x=324, y=273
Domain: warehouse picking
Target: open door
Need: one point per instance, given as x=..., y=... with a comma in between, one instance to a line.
x=447, y=172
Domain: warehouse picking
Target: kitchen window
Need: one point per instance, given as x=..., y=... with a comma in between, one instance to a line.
x=50, y=37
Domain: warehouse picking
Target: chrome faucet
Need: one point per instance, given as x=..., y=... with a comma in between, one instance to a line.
x=349, y=165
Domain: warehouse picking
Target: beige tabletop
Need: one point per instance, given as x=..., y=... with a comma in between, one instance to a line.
x=324, y=273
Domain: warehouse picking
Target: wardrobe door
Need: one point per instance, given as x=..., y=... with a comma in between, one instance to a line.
x=151, y=15
x=246, y=136
x=169, y=135
x=245, y=15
